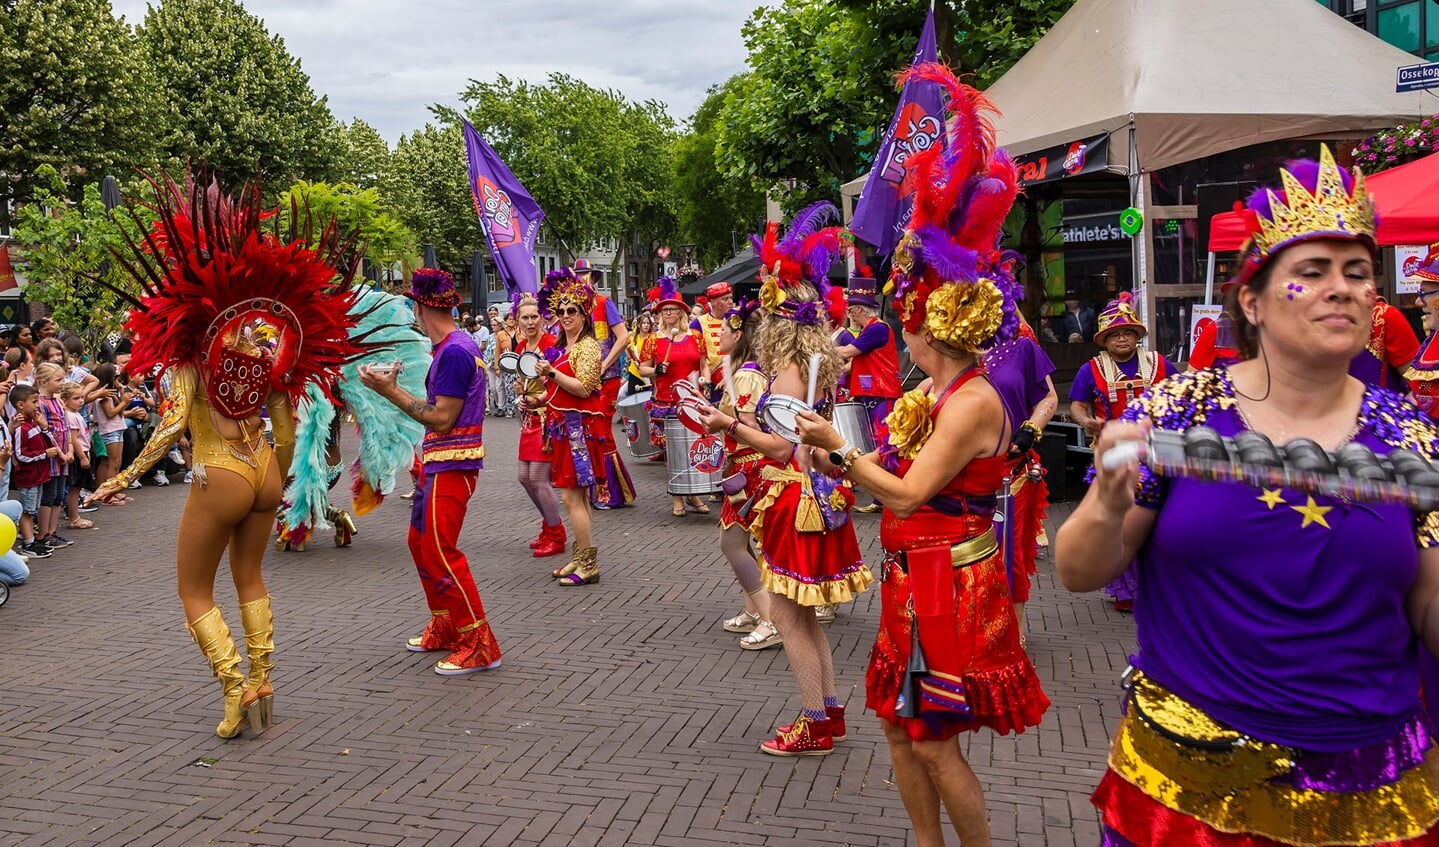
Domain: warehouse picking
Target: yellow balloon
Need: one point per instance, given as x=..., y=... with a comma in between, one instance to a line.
x=7, y=533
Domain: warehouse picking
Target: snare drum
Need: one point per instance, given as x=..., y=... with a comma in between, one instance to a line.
x=855, y=426
x=635, y=410
x=780, y=411
x=695, y=461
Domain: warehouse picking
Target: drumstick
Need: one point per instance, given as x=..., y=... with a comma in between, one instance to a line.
x=813, y=377
x=729, y=381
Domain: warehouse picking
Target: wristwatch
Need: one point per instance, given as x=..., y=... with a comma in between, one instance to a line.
x=843, y=457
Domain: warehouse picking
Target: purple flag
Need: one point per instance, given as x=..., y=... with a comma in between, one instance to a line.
x=885, y=205
x=508, y=214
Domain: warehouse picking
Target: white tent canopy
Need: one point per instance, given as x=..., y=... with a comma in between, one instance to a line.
x=1200, y=77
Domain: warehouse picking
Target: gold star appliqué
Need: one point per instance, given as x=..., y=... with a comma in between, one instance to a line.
x=1272, y=498
x=1313, y=513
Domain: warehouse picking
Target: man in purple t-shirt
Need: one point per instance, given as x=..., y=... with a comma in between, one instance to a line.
x=452, y=453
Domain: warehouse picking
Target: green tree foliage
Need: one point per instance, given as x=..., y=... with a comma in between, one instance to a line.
x=65, y=246
x=426, y=186
x=385, y=240
x=811, y=112
x=598, y=164
x=714, y=212
x=75, y=93
x=235, y=101
x=361, y=154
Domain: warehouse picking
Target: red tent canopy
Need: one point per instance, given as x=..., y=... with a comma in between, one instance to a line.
x=1407, y=198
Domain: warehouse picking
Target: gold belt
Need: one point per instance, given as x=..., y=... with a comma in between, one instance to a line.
x=965, y=553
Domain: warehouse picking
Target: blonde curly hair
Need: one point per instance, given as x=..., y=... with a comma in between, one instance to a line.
x=782, y=341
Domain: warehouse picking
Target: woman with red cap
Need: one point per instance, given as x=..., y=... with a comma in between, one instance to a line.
x=674, y=357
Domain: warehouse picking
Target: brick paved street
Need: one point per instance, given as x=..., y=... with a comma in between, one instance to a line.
x=622, y=714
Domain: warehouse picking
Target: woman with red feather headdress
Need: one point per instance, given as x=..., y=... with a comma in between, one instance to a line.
x=240, y=316
x=809, y=556
x=947, y=658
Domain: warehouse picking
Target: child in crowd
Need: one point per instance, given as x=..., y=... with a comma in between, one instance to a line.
x=110, y=420
x=72, y=395
x=49, y=377
x=33, y=453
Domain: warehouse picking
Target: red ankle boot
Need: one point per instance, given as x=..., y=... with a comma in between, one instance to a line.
x=552, y=541
x=835, y=714
x=539, y=539
x=806, y=737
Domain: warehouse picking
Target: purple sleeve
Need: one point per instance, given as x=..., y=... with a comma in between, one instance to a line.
x=612, y=313
x=844, y=339
x=452, y=373
x=1083, y=388
x=1037, y=368
x=872, y=337
x=1169, y=368
x=695, y=325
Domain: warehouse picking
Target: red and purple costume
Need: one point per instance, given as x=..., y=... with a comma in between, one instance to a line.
x=578, y=428
x=533, y=447
x=980, y=673
x=451, y=464
x=874, y=374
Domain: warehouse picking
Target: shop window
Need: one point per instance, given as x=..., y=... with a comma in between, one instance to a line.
x=1177, y=260
x=1431, y=24
x=1171, y=326
x=1399, y=25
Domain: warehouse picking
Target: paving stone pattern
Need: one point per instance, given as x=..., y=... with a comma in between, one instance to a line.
x=623, y=714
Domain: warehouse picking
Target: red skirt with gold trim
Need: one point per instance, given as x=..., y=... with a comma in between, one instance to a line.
x=999, y=681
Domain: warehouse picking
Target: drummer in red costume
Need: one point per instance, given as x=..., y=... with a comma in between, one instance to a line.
x=536, y=454
x=720, y=299
x=613, y=487
x=1423, y=373
x=944, y=588
x=871, y=356
x=674, y=356
x=1103, y=388
x=744, y=472
x=577, y=426
x=808, y=552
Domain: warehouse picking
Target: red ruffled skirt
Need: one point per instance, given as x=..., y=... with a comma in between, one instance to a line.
x=813, y=566
x=1000, y=684
x=565, y=471
x=533, y=446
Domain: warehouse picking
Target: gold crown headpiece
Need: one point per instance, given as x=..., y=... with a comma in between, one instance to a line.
x=1314, y=203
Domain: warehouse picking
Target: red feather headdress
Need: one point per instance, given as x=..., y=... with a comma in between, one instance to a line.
x=218, y=285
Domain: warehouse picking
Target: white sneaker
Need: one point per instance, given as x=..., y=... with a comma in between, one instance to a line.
x=189, y=477
x=174, y=456
x=161, y=479
x=134, y=485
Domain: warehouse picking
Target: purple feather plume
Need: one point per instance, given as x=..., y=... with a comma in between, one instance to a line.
x=809, y=221
x=431, y=282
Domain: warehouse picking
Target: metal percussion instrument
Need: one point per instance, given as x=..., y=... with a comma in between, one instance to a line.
x=635, y=410
x=855, y=426
x=509, y=362
x=1353, y=472
x=779, y=413
x=530, y=365
x=695, y=461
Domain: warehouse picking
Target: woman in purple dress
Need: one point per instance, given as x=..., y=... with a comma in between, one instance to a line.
x=1275, y=694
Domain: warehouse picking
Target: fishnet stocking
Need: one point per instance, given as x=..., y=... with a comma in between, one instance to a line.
x=734, y=544
x=535, y=479
x=806, y=648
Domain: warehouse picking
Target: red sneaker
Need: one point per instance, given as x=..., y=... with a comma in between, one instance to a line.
x=835, y=714
x=806, y=737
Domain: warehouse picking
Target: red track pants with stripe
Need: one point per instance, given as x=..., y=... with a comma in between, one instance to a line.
x=436, y=518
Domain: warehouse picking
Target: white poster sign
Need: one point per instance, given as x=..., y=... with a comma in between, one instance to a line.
x=1199, y=312
x=1407, y=258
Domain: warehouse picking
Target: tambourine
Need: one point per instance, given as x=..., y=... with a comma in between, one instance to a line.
x=1353, y=472
x=509, y=362
x=531, y=365
x=780, y=413
x=689, y=405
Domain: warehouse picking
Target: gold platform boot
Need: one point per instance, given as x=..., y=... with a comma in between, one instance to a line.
x=587, y=568
x=345, y=530
x=575, y=552
x=213, y=636
x=259, y=696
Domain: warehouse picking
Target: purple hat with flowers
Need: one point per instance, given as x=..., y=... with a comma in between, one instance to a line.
x=434, y=288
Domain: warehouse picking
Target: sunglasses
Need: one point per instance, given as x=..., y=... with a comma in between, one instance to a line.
x=1423, y=295
x=567, y=311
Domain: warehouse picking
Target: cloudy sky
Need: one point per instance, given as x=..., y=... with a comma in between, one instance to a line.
x=386, y=60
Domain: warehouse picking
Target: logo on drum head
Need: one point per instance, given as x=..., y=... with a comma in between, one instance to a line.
x=707, y=454
x=632, y=430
